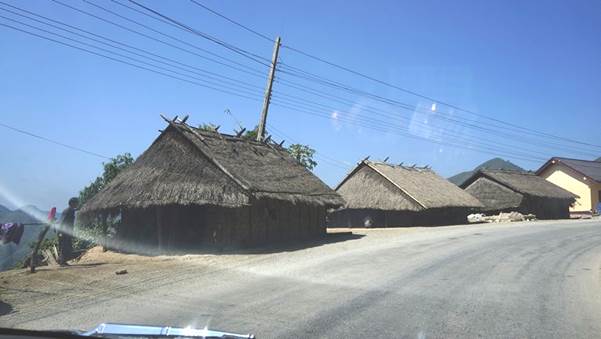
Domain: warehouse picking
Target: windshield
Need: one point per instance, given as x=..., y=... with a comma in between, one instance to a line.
x=296, y=169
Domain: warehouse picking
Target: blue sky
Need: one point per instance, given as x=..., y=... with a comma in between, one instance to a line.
x=537, y=64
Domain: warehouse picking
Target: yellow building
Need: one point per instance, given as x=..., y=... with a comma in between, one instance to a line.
x=581, y=177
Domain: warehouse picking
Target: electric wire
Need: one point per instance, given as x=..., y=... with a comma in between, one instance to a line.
x=128, y=63
x=315, y=77
x=37, y=136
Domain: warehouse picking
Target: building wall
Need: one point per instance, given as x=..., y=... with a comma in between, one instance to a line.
x=359, y=218
x=572, y=181
x=186, y=228
x=494, y=196
x=595, y=195
x=545, y=208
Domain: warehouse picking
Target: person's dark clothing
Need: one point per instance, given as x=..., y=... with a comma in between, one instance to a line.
x=11, y=232
x=65, y=239
x=65, y=248
x=67, y=219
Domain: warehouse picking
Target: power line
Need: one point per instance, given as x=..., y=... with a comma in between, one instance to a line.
x=395, y=103
x=314, y=77
x=414, y=109
x=75, y=148
x=211, y=75
x=440, y=130
x=245, y=68
x=379, y=81
x=380, y=128
x=541, y=133
x=129, y=58
x=235, y=49
x=386, y=127
x=334, y=161
x=273, y=130
x=128, y=63
x=233, y=22
x=365, y=119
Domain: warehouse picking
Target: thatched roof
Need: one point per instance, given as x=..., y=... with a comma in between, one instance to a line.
x=189, y=166
x=377, y=185
x=588, y=168
x=522, y=182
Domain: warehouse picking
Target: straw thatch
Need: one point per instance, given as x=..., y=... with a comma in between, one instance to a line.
x=382, y=194
x=193, y=187
x=522, y=182
x=501, y=190
x=189, y=166
x=392, y=187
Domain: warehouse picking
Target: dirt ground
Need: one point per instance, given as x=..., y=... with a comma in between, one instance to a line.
x=492, y=280
x=94, y=275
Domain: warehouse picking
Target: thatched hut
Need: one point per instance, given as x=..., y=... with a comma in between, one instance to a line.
x=193, y=187
x=379, y=194
x=504, y=191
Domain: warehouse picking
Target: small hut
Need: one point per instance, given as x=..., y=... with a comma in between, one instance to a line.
x=504, y=191
x=193, y=187
x=379, y=194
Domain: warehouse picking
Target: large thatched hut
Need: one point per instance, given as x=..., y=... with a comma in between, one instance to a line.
x=504, y=191
x=193, y=187
x=379, y=194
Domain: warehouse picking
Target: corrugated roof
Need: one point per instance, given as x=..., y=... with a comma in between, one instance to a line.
x=589, y=168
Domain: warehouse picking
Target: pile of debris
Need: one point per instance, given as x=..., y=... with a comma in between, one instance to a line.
x=501, y=217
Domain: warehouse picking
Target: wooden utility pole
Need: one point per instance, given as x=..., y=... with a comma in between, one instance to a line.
x=274, y=60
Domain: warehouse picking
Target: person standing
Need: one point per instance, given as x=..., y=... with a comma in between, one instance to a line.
x=65, y=232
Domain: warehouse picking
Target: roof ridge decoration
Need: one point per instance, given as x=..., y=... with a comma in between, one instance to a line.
x=210, y=156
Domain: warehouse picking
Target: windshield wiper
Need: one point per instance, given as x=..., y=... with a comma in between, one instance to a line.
x=121, y=330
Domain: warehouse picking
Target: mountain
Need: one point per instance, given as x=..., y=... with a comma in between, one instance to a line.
x=598, y=159
x=18, y=216
x=494, y=163
x=11, y=253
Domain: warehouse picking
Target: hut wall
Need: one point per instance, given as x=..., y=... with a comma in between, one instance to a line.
x=546, y=208
x=493, y=196
x=388, y=218
x=190, y=227
x=278, y=221
x=137, y=231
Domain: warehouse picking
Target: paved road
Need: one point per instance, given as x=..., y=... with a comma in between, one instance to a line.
x=516, y=280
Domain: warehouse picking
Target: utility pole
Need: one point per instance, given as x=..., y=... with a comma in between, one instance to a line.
x=263, y=121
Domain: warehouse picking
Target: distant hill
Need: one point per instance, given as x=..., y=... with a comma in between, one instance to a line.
x=18, y=216
x=11, y=253
x=494, y=163
x=598, y=159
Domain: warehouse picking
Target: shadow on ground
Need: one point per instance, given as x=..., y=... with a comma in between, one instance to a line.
x=329, y=238
x=289, y=246
x=5, y=308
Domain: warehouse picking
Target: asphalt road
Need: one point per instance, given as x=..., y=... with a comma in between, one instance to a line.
x=515, y=280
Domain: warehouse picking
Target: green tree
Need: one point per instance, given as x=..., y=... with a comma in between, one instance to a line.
x=303, y=154
x=208, y=127
x=93, y=232
x=252, y=134
x=111, y=170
